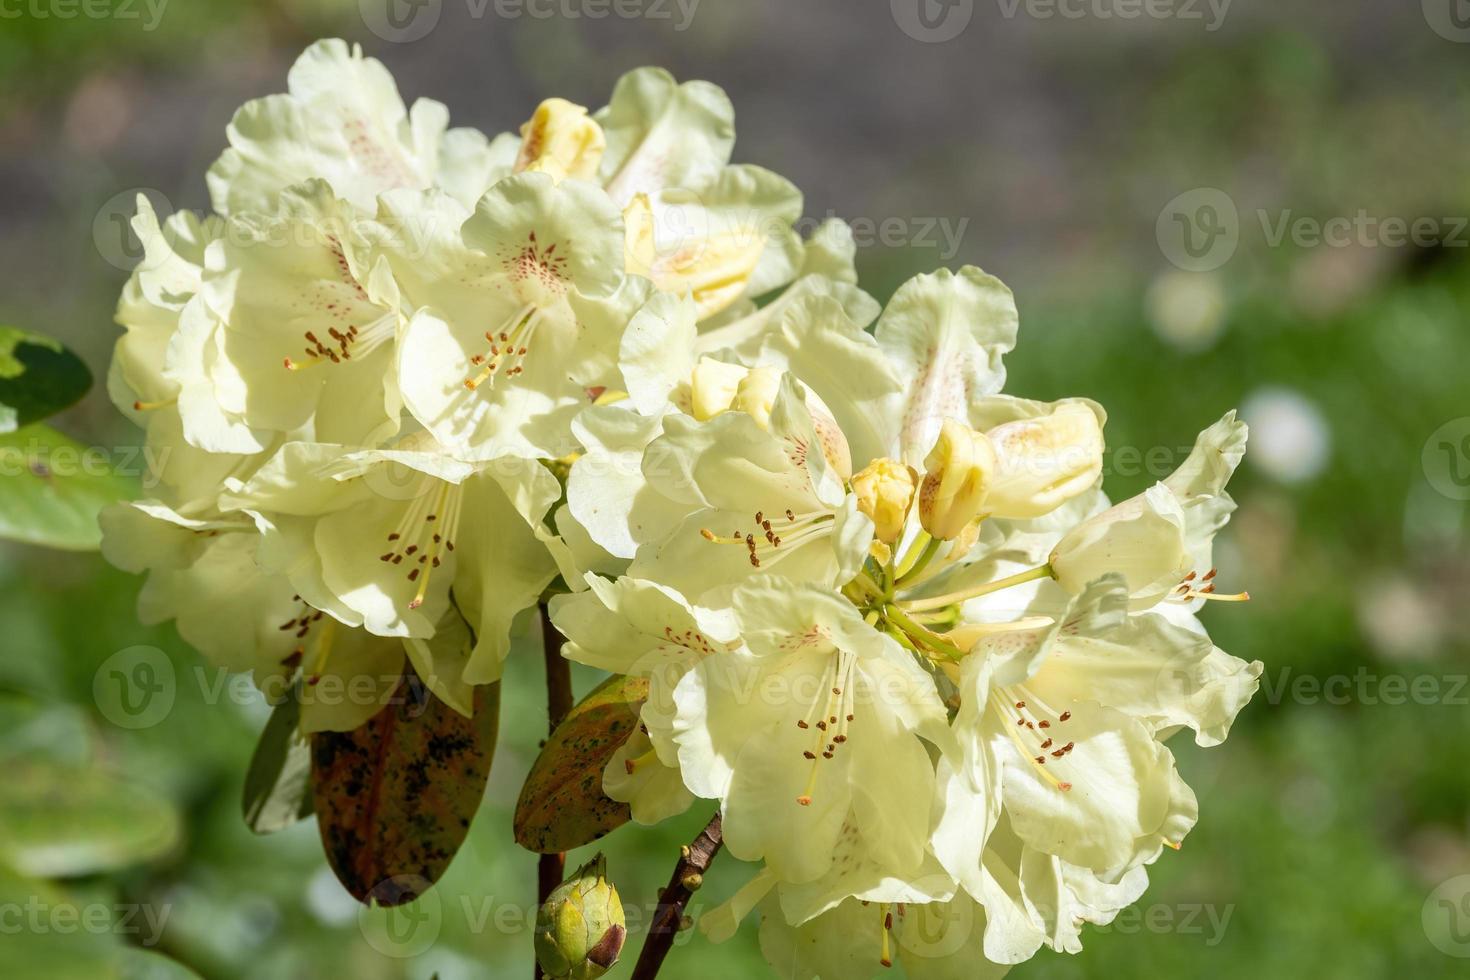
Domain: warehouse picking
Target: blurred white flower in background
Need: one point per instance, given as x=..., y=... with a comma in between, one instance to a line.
x=1291, y=442
x=1187, y=309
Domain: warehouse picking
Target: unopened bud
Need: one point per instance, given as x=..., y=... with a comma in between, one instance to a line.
x=885, y=489
x=712, y=387
x=957, y=475
x=580, y=929
x=1044, y=462
x=561, y=140
x=756, y=394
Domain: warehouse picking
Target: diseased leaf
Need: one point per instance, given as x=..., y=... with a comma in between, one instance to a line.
x=562, y=805
x=394, y=798
x=58, y=821
x=278, y=783
x=52, y=488
x=38, y=378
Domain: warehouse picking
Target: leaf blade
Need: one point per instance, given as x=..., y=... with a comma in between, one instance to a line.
x=52, y=489
x=38, y=378
x=395, y=797
x=278, y=783
x=562, y=805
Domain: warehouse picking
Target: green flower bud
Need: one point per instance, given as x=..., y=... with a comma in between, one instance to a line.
x=580, y=929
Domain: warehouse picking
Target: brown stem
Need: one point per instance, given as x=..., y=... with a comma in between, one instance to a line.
x=688, y=875
x=552, y=868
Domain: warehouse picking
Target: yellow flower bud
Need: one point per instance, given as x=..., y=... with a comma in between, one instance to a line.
x=885, y=489
x=561, y=140
x=580, y=929
x=958, y=473
x=756, y=394
x=712, y=387
x=1045, y=461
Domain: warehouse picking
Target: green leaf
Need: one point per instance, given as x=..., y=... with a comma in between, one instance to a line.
x=52, y=488
x=278, y=783
x=59, y=821
x=47, y=937
x=562, y=805
x=32, y=730
x=38, y=378
x=394, y=798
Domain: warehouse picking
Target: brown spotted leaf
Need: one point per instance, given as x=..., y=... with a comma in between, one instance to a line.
x=394, y=798
x=562, y=805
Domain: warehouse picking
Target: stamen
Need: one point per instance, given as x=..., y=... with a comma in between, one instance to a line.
x=340, y=346
x=507, y=350
x=773, y=540
x=885, y=954
x=1003, y=705
x=1185, y=592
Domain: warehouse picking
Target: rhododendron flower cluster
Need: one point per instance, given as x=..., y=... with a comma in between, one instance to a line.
x=407, y=381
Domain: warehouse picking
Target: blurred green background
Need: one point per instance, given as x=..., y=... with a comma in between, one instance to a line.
x=1054, y=151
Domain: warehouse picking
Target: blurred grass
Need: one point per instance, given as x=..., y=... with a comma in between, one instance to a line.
x=1324, y=826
